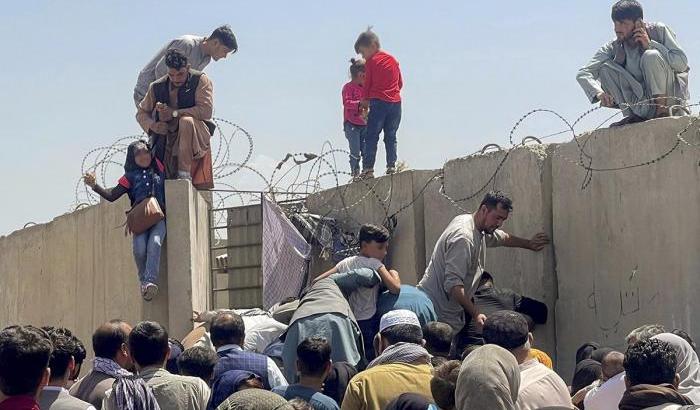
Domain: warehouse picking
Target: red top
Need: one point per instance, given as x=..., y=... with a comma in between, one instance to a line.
x=19, y=403
x=352, y=94
x=383, y=78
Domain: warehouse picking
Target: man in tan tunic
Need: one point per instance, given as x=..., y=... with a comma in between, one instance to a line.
x=176, y=113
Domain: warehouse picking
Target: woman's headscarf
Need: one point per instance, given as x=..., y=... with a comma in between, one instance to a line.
x=136, y=146
x=688, y=367
x=586, y=350
x=600, y=353
x=254, y=399
x=542, y=357
x=587, y=371
x=488, y=380
x=337, y=381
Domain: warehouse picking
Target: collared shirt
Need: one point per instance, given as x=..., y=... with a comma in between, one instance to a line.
x=172, y=391
x=456, y=261
x=541, y=387
x=59, y=397
x=19, y=403
x=274, y=374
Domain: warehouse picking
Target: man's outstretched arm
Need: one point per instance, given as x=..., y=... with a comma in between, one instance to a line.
x=537, y=243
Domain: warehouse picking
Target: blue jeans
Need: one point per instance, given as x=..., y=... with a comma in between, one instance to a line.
x=383, y=116
x=356, y=138
x=147, y=247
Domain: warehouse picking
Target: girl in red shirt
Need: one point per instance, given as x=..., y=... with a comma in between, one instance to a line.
x=354, y=123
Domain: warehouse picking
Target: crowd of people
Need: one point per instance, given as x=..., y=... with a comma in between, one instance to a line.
x=356, y=338
x=141, y=368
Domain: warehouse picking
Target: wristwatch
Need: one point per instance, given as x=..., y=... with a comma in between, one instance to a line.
x=175, y=113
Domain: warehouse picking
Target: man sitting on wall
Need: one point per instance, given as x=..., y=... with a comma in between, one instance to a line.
x=643, y=72
x=176, y=112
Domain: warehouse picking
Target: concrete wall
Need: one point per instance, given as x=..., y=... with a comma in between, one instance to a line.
x=526, y=175
x=77, y=271
x=189, y=273
x=627, y=246
x=370, y=202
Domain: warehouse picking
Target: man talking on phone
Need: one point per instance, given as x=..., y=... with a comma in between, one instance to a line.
x=643, y=72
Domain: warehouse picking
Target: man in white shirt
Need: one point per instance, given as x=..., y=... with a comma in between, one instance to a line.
x=55, y=396
x=539, y=386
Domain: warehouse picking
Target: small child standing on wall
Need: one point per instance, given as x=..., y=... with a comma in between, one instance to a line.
x=382, y=95
x=143, y=176
x=354, y=117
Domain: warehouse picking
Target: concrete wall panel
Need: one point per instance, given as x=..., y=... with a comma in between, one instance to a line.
x=626, y=246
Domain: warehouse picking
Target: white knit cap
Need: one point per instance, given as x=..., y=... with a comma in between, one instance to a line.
x=398, y=317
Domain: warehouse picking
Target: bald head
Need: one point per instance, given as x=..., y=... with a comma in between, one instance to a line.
x=109, y=338
x=227, y=328
x=612, y=364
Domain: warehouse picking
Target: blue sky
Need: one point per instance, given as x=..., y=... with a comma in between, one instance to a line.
x=471, y=69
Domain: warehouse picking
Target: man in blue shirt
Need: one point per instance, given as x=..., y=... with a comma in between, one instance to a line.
x=313, y=364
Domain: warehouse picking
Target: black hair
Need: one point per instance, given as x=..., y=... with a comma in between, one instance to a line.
x=313, y=354
x=198, y=361
x=148, y=343
x=80, y=351
x=64, y=348
x=357, y=66
x=225, y=35
x=444, y=383
x=507, y=329
x=403, y=333
x=376, y=233
x=227, y=328
x=627, y=10
x=108, y=339
x=650, y=361
x=685, y=336
x=366, y=39
x=438, y=338
x=130, y=162
x=586, y=351
x=24, y=354
x=175, y=59
x=493, y=198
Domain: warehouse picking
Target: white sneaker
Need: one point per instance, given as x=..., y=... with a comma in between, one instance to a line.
x=149, y=291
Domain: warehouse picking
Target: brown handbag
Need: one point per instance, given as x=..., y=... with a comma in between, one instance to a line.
x=145, y=214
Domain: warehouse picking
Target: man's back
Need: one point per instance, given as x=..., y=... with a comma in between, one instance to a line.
x=238, y=359
x=177, y=392
x=58, y=399
x=374, y=388
x=92, y=388
x=540, y=387
x=317, y=400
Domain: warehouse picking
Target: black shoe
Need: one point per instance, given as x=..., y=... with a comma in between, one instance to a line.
x=630, y=119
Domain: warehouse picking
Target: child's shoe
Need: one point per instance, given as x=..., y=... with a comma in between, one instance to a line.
x=367, y=174
x=391, y=170
x=149, y=291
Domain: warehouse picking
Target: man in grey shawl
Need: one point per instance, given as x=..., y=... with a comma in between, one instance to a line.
x=643, y=72
x=323, y=312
